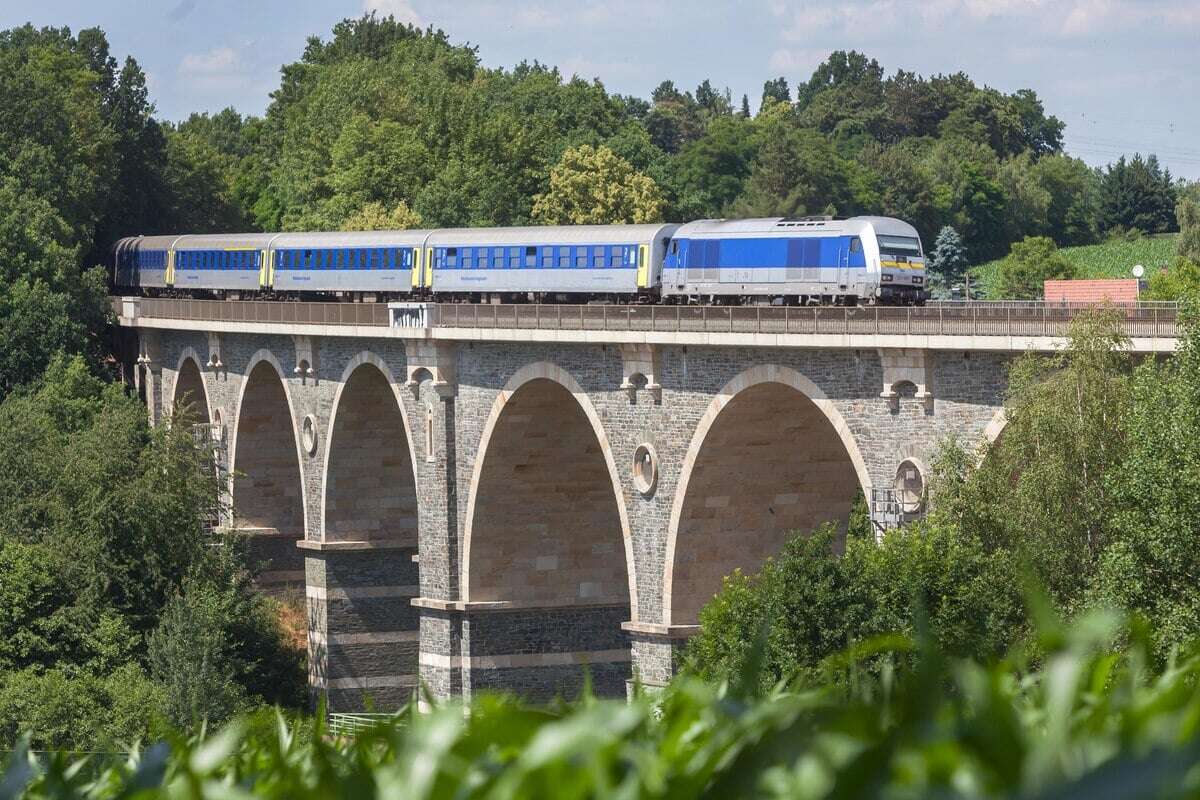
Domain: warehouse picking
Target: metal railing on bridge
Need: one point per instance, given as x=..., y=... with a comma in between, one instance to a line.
x=269, y=311
x=947, y=319
x=1032, y=319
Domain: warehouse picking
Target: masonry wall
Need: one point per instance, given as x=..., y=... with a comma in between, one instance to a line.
x=771, y=465
x=445, y=424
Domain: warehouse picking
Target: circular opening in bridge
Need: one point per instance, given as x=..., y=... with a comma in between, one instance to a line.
x=308, y=434
x=645, y=469
x=910, y=486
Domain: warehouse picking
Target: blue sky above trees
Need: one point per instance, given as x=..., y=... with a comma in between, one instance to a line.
x=1123, y=74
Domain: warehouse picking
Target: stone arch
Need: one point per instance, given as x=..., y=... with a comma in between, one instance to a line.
x=189, y=383
x=769, y=439
x=370, y=479
x=265, y=461
x=544, y=431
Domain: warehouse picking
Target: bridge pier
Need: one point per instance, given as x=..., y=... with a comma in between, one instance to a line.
x=514, y=509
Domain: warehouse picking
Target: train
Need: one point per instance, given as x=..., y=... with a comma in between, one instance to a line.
x=778, y=261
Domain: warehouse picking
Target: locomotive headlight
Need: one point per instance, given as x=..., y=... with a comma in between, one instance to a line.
x=917, y=279
x=886, y=278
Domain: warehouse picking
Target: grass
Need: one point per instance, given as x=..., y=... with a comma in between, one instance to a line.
x=1111, y=259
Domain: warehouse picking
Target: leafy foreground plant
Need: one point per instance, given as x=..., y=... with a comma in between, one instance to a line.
x=1088, y=723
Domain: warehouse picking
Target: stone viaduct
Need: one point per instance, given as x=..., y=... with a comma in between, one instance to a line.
x=502, y=497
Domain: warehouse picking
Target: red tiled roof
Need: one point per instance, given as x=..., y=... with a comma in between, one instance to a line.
x=1121, y=290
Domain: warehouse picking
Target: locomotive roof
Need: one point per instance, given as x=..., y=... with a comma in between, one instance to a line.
x=776, y=226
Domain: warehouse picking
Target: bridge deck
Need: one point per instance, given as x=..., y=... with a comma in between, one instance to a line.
x=981, y=325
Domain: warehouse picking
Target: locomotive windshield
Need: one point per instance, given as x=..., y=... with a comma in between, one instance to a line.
x=908, y=246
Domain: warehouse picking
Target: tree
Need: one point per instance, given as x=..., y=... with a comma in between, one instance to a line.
x=1030, y=263
x=1179, y=283
x=1074, y=194
x=592, y=186
x=374, y=217
x=948, y=262
x=745, y=107
x=776, y=90
x=190, y=655
x=1137, y=194
x=796, y=172
x=1187, y=215
x=1155, y=510
x=708, y=174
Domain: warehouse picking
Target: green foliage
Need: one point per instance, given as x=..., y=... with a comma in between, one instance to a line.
x=1090, y=722
x=810, y=603
x=105, y=521
x=1029, y=264
x=594, y=186
x=1044, y=491
x=1180, y=282
x=84, y=474
x=374, y=217
x=804, y=602
x=1187, y=215
x=80, y=711
x=1137, y=194
x=1112, y=259
x=1153, y=519
x=191, y=657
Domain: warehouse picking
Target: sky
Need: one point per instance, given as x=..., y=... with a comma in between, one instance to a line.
x=1124, y=75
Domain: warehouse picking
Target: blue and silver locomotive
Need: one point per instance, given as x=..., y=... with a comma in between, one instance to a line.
x=778, y=260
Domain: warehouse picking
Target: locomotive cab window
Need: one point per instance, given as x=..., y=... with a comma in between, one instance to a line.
x=908, y=246
x=855, y=245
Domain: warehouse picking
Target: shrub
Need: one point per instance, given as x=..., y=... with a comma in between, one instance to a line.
x=85, y=711
x=191, y=655
x=1029, y=264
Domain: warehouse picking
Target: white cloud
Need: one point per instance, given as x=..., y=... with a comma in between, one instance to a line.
x=219, y=61
x=402, y=10
x=538, y=17
x=796, y=61
x=218, y=70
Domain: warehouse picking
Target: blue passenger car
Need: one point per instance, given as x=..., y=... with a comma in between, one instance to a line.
x=381, y=262
x=576, y=262
x=221, y=262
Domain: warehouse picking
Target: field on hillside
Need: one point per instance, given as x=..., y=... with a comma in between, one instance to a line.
x=1112, y=259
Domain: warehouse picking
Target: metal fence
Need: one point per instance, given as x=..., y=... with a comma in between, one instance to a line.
x=346, y=725
x=276, y=311
x=1151, y=320
x=957, y=319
